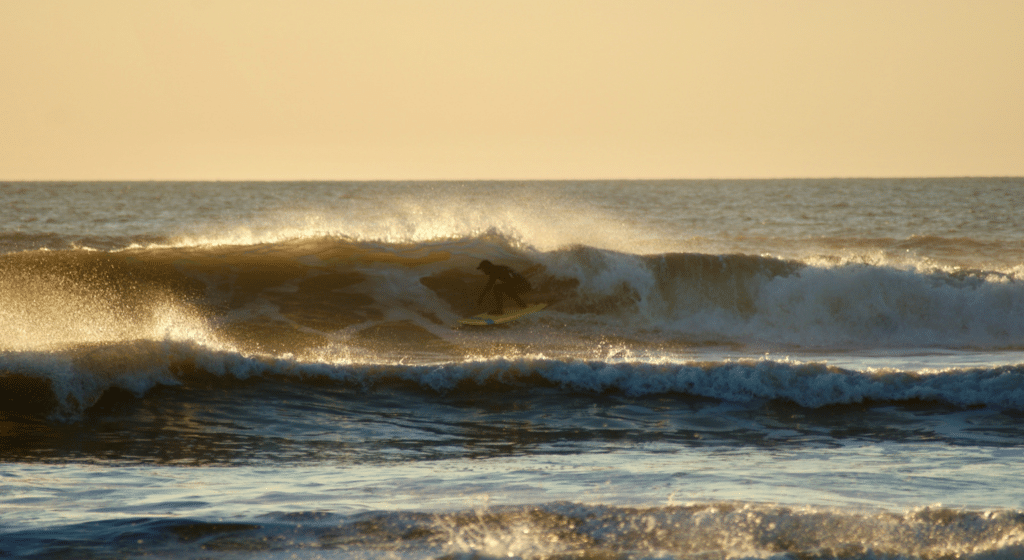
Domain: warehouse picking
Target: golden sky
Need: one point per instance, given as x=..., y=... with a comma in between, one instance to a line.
x=523, y=89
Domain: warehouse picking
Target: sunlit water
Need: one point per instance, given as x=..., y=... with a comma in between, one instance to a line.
x=768, y=369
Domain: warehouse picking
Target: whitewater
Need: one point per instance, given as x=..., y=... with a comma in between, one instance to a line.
x=725, y=369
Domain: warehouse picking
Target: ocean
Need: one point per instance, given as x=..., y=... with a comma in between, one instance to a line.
x=784, y=369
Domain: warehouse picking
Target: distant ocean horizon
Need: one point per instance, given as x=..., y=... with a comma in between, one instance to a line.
x=786, y=368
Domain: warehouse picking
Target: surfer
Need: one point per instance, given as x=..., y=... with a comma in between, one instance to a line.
x=505, y=281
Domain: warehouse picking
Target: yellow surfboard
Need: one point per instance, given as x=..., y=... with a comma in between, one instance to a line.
x=488, y=319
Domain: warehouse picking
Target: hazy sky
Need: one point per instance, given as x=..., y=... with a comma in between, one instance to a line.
x=490, y=89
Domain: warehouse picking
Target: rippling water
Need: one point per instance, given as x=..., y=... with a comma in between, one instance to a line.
x=726, y=369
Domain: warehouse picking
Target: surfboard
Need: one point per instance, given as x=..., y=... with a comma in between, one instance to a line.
x=488, y=319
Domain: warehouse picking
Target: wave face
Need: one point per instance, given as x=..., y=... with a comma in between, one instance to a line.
x=298, y=296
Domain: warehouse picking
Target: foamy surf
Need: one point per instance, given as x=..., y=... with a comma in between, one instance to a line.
x=562, y=530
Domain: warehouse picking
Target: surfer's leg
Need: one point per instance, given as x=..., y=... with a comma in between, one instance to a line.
x=515, y=297
x=519, y=287
x=499, y=291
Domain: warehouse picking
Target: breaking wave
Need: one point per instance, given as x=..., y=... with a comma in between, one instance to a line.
x=68, y=384
x=298, y=296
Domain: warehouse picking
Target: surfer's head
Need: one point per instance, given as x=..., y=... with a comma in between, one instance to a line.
x=485, y=265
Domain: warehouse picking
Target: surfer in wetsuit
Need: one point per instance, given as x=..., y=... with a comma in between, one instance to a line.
x=505, y=281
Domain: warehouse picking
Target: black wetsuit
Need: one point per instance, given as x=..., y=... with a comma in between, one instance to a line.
x=505, y=282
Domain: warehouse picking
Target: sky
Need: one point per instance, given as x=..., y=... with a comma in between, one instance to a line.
x=523, y=89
